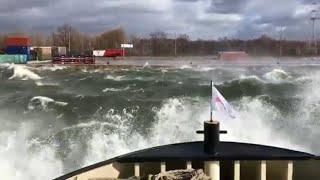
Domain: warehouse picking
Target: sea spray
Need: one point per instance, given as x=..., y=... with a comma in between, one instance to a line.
x=277, y=76
x=19, y=161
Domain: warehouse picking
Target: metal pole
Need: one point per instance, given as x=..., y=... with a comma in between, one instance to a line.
x=69, y=39
x=175, y=44
x=280, y=50
x=313, y=35
x=211, y=105
x=313, y=31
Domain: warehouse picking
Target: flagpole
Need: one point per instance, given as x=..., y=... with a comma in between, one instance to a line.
x=211, y=101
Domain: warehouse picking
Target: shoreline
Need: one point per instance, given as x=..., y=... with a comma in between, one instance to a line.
x=183, y=62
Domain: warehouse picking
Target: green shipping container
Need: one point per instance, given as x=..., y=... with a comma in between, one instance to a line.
x=16, y=58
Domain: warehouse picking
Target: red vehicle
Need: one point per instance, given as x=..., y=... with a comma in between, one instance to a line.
x=113, y=53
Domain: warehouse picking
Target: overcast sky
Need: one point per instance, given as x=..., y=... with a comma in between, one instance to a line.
x=206, y=19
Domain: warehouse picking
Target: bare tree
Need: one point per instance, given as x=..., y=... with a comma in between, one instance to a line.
x=110, y=39
x=63, y=36
x=37, y=39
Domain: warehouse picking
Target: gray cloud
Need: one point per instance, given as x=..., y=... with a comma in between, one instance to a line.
x=205, y=19
x=8, y=6
x=227, y=6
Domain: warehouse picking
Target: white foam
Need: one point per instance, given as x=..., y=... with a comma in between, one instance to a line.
x=21, y=72
x=5, y=65
x=115, y=78
x=307, y=119
x=185, y=66
x=244, y=78
x=251, y=77
x=120, y=141
x=164, y=70
x=85, y=70
x=18, y=161
x=44, y=102
x=254, y=125
x=54, y=68
x=146, y=65
x=116, y=89
x=177, y=120
x=277, y=76
x=206, y=69
x=88, y=125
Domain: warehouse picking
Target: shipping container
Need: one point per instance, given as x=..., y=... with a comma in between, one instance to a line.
x=13, y=58
x=113, y=53
x=62, y=50
x=18, y=50
x=42, y=53
x=233, y=55
x=17, y=41
x=23, y=50
x=58, y=51
x=47, y=52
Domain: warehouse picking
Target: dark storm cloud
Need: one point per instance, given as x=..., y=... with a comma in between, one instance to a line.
x=278, y=21
x=187, y=0
x=15, y=5
x=199, y=18
x=227, y=6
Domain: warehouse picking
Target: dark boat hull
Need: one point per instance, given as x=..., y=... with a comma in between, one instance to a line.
x=233, y=161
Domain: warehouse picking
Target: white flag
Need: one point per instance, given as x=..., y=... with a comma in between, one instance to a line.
x=220, y=106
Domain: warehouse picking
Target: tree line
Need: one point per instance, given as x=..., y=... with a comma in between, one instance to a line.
x=160, y=44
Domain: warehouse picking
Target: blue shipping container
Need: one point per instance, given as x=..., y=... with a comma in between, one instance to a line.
x=18, y=50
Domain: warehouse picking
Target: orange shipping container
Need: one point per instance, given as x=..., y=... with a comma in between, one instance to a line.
x=233, y=55
x=18, y=41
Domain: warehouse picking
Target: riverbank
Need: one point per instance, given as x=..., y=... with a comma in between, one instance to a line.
x=185, y=62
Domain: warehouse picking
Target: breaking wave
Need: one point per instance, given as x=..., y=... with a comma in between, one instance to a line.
x=21, y=72
x=277, y=76
x=146, y=65
x=114, y=78
x=25, y=158
x=43, y=103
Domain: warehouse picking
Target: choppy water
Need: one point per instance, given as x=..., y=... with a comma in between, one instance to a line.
x=58, y=119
